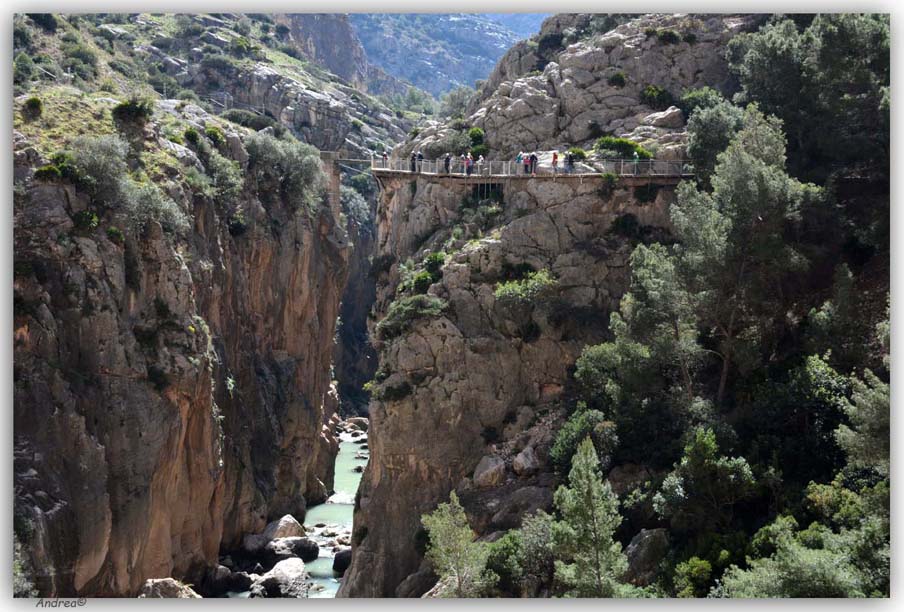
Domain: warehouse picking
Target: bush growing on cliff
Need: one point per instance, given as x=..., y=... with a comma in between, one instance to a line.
x=290, y=167
x=146, y=202
x=33, y=107
x=656, y=97
x=530, y=290
x=668, y=37
x=618, y=79
x=709, y=130
x=226, y=177
x=579, y=153
x=100, y=164
x=459, y=561
x=23, y=586
x=623, y=147
x=136, y=110
x=403, y=312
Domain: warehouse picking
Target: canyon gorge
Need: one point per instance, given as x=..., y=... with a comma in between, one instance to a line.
x=250, y=356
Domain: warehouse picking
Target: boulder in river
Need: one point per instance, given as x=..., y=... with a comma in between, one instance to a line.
x=166, y=588
x=360, y=422
x=286, y=527
x=342, y=560
x=284, y=548
x=288, y=578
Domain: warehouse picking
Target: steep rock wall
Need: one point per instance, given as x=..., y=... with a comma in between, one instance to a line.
x=480, y=379
x=170, y=393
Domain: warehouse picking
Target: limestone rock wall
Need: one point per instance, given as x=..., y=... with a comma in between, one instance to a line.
x=170, y=393
x=481, y=379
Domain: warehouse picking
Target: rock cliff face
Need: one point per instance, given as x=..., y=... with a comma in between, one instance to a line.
x=330, y=40
x=577, y=96
x=470, y=393
x=170, y=393
x=482, y=378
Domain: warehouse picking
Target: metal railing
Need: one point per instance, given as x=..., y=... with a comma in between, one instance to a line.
x=495, y=168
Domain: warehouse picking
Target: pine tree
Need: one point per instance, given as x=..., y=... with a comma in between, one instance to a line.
x=458, y=560
x=593, y=561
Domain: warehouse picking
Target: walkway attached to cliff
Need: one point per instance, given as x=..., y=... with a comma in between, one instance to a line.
x=660, y=172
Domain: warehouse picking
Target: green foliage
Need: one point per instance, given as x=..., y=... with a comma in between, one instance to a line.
x=579, y=153
x=617, y=79
x=355, y=206
x=457, y=559
x=405, y=311
x=80, y=59
x=702, y=490
x=237, y=224
x=136, y=110
x=531, y=290
x=144, y=203
x=826, y=83
x=226, y=178
x=692, y=577
x=434, y=262
x=583, y=424
x=286, y=167
x=99, y=162
x=589, y=561
x=656, y=97
x=45, y=20
x=710, y=129
x=215, y=135
x=504, y=560
x=23, y=69
x=455, y=101
x=668, y=37
x=191, y=136
x=421, y=281
x=477, y=150
x=252, y=120
x=85, y=220
x=33, y=107
x=866, y=441
x=623, y=147
x=694, y=99
x=475, y=135
x=690, y=38
x=48, y=173
x=115, y=235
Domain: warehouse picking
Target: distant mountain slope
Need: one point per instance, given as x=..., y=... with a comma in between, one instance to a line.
x=436, y=52
x=524, y=25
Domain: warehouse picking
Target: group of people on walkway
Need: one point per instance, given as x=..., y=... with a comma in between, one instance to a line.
x=469, y=165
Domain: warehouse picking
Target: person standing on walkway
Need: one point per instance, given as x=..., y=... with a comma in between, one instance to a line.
x=469, y=165
x=420, y=161
x=447, y=163
x=480, y=165
x=555, y=162
x=533, y=164
x=385, y=160
x=526, y=161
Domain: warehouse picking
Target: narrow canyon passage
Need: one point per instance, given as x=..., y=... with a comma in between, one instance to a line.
x=331, y=520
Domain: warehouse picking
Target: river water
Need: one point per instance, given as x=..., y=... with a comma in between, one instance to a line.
x=335, y=515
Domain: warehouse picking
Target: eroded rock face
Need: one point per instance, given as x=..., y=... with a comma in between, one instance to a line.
x=572, y=101
x=646, y=550
x=169, y=393
x=482, y=381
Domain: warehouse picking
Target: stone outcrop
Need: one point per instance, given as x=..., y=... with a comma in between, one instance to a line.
x=645, y=552
x=170, y=393
x=288, y=578
x=167, y=588
x=481, y=382
x=573, y=101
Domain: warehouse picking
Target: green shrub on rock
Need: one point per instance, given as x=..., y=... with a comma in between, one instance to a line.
x=405, y=311
x=656, y=97
x=623, y=147
x=136, y=110
x=529, y=290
